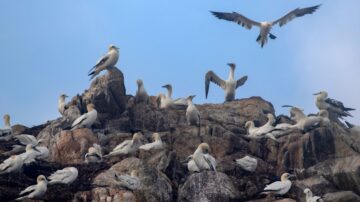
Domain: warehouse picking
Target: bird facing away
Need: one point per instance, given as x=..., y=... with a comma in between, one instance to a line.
x=202, y=158
x=65, y=176
x=86, y=120
x=13, y=164
x=127, y=146
x=94, y=154
x=265, y=27
x=247, y=163
x=156, y=144
x=331, y=105
x=310, y=197
x=279, y=187
x=229, y=86
x=141, y=95
x=7, y=127
x=192, y=113
x=107, y=61
x=61, y=104
x=35, y=191
x=131, y=182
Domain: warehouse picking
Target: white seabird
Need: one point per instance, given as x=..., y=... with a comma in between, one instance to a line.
x=229, y=86
x=131, y=182
x=168, y=102
x=30, y=155
x=127, y=146
x=94, y=154
x=296, y=113
x=279, y=187
x=7, y=127
x=202, y=158
x=43, y=152
x=87, y=119
x=65, y=176
x=331, y=105
x=141, y=94
x=35, y=191
x=191, y=165
x=247, y=163
x=107, y=61
x=157, y=144
x=192, y=113
x=310, y=122
x=24, y=140
x=266, y=130
x=13, y=164
x=309, y=196
x=62, y=103
x=265, y=27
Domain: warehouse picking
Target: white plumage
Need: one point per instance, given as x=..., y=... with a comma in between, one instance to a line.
x=192, y=113
x=157, y=144
x=86, y=120
x=202, y=159
x=279, y=187
x=94, y=154
x=310, y=197
x=65, y=176
x=35, y=191
x=127, y=146
x=107, y=61
x=12, y=164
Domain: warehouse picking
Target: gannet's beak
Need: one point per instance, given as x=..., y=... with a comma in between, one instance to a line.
x=36, y=149
x=317, y=93
x=66, y=96
x=286, y=106
x=292, y=176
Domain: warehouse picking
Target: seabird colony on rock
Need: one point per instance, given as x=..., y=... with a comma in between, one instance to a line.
x=229, y=86
x=333, y=106
x=265, y=27
x=106, y=62
x=166, y=101
x=94, y=154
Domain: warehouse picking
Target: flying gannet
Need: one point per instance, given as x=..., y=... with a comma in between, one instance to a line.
x=13, y=164
x=61, y=104
x=168, y=102
x=107, y=61
x=309, y=196
x=35, y=191
x=192, y=113
x=333, y=106
x=87, y=119
x=127, y=146
x=65, y=176
x=131, y=182
x=247, y=163
x=7, y=127
x=202, y=158
x=354, y=129
x=141, y=94
x=279, y=187
x=94, y=154
x=229, y=86
x=30, y=155
x=311, y=122
x=265, y=27
x=156, y=144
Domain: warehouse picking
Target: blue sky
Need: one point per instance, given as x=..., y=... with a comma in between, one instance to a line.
x=48, y=47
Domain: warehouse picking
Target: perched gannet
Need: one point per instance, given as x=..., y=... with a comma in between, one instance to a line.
x=310, y=197
x=311, y=122
x=35, y=191
x=87, y=119
x=279, y=187
x=353, y=128
x=43, y=152
x=131, y=182
x=30, y=155
x=61, y=103
x=127, y=146
x=94, y=154
x=229, y=86
x=202, y=158
x=192, y=113
x=296, y=113
x=141, y=94
x=157, y=144
x=333, y=106
x=265, y=27
x=247, y=163
x=25, y=139
x=107, y=61
x=13, y=164
x=168, y=102
x=191, y=165
x=7, y=127
x=65, y=176
x=266, y=130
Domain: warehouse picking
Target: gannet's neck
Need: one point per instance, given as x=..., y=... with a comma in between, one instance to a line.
x=189, y=102
x=231, y=74
x=169, y=93
x=7, y=124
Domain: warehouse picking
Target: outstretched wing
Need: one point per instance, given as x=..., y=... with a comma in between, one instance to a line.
x=241, y=81
x=211, y=76
x=236, y=17
x=299, y=12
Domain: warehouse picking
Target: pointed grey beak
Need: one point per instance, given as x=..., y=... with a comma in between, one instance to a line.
x=286, y=106
x=292, y=176
x=317, y=93
x=36, y=149
x=66, y=96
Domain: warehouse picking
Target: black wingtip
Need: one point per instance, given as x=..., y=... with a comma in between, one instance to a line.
x=349, y=125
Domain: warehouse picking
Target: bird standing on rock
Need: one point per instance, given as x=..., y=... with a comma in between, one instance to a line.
x=94, y=154
x=333, y=106
x=192, y=113
x=35, y=191
x=279, y=187
x=61, y=104
x=109, y=60
x=86, y=120
x=65, y=176
x=141, y=94
x=127, y=146
x=202, y=158
x=7, y=127
x=156, y=144
x=13, y=164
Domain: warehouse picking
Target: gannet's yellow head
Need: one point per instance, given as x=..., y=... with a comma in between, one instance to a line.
x=322, y=94
x=90, y=107
x=156, y=136
x=136, y=136
x=91, y=150
x=205, y=148
x=113, y=47
x=249, y=124
x=139, y=82
x=41, y=178
x=6, y=118
x=232, y=65
x=286, y=176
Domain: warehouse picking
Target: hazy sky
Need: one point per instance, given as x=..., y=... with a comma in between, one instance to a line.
x=48, y=47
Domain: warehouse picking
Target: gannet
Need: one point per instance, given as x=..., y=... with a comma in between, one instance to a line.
x=25, y=139
x=107, y=61
x=247, y=163
x=310, y=122
x=310, y=197
x=35, y=191
x=191, y=165
x=13, y=164
x=202, y=158
x=279, y=187
x=141, y=94
x=333, y=106
x=131, y=182
x=61, y=103
x=229, y=86
x=7, y=127
x=296, y=113
x=87, y=119
x=94, y=154
x=65, y=176
x=30, y=155
x=353, y=128
x=168, y=102
x=127, y=146
x=265, y=27
x=192, y=113
x=43, y=152
x=266, y=130
x=156, y=144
